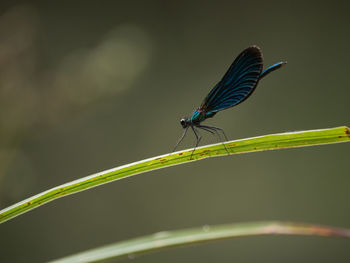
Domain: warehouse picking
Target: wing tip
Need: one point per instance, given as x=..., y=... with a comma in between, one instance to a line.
x=254, y=48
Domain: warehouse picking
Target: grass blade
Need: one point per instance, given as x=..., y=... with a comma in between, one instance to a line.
x=262, y=143
x=167, y=239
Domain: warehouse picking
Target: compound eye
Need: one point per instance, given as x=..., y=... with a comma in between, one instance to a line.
x=182, y=121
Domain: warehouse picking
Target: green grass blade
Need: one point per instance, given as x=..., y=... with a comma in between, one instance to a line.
x=167, y=239
x=262, y=143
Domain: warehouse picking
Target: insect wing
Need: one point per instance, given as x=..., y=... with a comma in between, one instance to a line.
x=238, y=83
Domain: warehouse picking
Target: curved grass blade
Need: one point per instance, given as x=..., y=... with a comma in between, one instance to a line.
x=262, y=143
x=133, y=247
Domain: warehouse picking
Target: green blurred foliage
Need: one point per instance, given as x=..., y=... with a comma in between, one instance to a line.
x=89, y=85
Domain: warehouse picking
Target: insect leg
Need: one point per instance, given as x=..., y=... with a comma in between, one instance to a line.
x=212, y=132
x=206, y=129
x=198, y=138
x=216, y=129
x=180, y=140
x=221, y=131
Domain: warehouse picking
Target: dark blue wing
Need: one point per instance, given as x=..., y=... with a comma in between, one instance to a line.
x=238, y=83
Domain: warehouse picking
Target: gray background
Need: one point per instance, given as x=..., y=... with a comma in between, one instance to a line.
x=90, y=85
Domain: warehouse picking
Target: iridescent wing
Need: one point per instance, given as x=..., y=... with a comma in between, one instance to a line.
x=238, y=83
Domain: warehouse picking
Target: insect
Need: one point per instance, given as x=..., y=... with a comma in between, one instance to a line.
x=236, y=86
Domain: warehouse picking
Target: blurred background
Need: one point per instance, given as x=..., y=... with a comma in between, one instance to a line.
x=90, y=85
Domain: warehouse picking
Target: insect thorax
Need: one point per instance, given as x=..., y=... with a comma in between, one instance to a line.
x=200, y=115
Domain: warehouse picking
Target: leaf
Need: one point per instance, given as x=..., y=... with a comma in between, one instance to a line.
x=255, y=144
x=133, y=247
